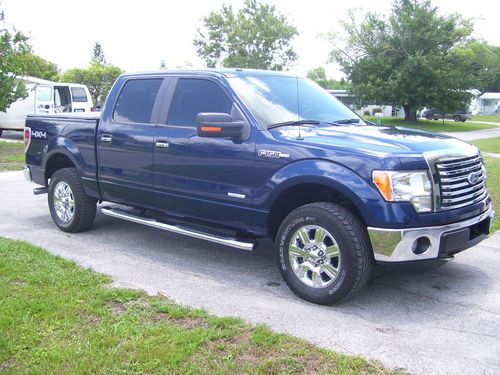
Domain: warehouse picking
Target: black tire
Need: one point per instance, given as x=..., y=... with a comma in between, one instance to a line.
x=84, y=207
x=356, y=258
x=457, y=118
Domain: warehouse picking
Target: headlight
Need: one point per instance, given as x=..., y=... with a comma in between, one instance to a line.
x=405, y=186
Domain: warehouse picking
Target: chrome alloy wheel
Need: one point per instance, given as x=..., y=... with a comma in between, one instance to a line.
x=64, y=201
x=314, y=256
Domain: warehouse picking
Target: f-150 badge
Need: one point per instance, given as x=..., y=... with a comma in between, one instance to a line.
x=273, y=154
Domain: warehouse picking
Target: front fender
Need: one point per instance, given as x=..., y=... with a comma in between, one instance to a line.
x=364, y=196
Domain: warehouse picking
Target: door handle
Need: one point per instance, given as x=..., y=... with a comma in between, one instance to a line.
x=162, y=144
x=106, y=138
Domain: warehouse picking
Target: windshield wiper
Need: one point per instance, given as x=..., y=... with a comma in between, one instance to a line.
x=347, y=121
x=294, y=123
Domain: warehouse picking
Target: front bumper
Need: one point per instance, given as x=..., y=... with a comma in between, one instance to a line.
x=411, y=244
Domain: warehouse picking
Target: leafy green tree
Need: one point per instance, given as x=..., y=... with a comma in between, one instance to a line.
x=257, y=36
x=483, y=65
x=408, y=59
x=13, y=46
x=318, y=75
x=97, y=77
x=35, y=66
x=98, y=54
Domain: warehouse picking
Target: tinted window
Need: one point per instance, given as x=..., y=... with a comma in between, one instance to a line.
x=193, y=96
x=79, y=94
x=136, y=101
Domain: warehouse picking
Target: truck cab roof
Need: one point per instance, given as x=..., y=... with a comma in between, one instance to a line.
x=226, y=72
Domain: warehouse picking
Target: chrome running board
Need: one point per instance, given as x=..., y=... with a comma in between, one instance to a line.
x=228, y=241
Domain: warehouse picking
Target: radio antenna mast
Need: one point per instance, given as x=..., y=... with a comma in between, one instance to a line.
x=298, y=106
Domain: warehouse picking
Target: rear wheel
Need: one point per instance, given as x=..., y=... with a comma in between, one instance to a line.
x=457, y=118
x=323, y=253
x=71, y=209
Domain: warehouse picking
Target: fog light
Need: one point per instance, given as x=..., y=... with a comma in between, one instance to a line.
x=421, y=245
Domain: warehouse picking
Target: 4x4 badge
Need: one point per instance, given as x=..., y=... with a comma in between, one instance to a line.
x=273, y=154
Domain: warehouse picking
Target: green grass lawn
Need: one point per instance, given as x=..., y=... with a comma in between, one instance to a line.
x=11, y=156
x=58, y=318
x=487, y=118
x=493, y=171
x=431, y=125
x=488, y=144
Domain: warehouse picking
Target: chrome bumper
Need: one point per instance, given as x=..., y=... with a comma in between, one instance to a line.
x=410, y=244
x=27, y=173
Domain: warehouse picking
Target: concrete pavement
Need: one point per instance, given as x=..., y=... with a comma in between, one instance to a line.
x=475, y=134
x=445, y=321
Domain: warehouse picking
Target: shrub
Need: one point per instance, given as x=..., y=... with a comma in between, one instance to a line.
x=377, y=110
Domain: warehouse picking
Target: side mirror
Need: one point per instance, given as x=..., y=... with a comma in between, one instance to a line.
x=219, y=125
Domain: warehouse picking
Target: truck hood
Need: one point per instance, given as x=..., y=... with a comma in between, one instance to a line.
x=382, y=141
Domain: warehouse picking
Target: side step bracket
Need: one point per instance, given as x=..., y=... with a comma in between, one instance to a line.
x=228, y=241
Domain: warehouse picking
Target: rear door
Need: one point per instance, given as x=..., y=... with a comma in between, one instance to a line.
x=203, y=178
x=81, y=100
x=44, y=99
x=125, y=143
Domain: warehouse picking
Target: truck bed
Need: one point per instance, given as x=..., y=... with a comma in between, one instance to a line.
x=92, y=116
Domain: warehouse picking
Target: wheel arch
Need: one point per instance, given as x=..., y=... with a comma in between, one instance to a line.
x=301, y=194
x=56, y=161
x=60, y=153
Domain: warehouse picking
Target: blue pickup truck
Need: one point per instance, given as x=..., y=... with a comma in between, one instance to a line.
x=233, y=156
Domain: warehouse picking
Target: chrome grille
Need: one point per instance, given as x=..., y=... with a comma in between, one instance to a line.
x=462, y=182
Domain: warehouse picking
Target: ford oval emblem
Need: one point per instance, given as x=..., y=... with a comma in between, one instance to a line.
x=473, y=178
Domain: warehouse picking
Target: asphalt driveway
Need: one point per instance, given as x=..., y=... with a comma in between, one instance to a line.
x=442, y=321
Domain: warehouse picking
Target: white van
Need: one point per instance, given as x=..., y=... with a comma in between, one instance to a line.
x=46, y=97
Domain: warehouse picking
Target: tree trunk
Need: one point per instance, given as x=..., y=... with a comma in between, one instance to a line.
x=410, y=113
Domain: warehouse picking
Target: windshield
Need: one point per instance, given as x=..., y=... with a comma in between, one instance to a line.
x=279, y=99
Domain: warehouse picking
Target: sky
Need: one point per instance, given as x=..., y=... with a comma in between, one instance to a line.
x=137, y=35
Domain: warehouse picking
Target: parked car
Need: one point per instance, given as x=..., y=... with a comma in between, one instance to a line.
x=46, y=97
x=460, y=116
x=233, y=156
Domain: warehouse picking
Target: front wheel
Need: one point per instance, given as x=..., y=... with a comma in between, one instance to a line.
x=71, y=209
x=323, y=253
x=457, y=118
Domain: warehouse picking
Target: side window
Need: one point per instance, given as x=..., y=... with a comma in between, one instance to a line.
x=79, y=94
x=136, y=101
x=193, y=96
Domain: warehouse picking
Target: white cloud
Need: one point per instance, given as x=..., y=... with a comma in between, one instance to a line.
x=137, y=35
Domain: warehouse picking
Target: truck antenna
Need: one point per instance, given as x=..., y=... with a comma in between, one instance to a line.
x=298, y=107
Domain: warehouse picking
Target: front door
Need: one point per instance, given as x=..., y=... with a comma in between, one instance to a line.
x=203, y=178
x=125, y=144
